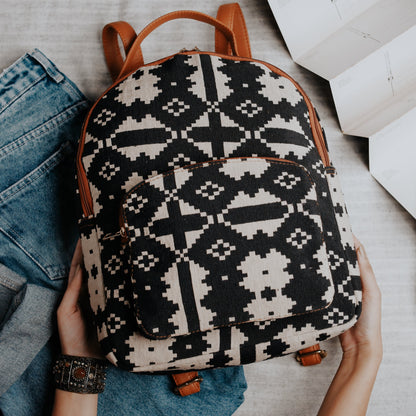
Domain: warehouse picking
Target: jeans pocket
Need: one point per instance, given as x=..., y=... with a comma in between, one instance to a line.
x=38, y=215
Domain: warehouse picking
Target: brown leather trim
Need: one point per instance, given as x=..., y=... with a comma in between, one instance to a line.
x=183, y=378
x=135, y=57
x=112, y=53
x=86, y=200
x=311, y=355
x=232, y=16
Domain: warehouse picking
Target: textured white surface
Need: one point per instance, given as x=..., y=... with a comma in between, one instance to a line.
x=365, y=49
x=68, y=32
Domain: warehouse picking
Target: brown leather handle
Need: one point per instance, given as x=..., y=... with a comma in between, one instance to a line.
x=112, y=53
x=232, y=16
x=135, y=57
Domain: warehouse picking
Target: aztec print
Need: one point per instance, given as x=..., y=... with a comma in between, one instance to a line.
x=193, y=109
x=198, y=235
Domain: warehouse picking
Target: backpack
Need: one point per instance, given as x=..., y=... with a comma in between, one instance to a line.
x=214, y=230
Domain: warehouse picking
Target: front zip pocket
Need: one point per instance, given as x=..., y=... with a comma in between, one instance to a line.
x=223, y=243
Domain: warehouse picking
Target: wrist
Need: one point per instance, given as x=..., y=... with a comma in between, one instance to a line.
x=82, y=353
x=67, y=403
x=368, y=352
x=362, y=360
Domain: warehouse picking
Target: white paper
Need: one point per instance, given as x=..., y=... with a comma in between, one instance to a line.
x=366, y=50
x=392, y=159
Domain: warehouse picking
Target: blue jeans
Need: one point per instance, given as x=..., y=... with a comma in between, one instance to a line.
x=41, y=112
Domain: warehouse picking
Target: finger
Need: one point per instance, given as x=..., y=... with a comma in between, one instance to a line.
x=72, y=293
x=368, y=278
x=76, y=260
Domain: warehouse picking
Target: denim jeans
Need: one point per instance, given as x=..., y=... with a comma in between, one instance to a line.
x=41, y=112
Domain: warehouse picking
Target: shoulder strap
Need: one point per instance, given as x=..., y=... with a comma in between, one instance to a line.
x=232, y=16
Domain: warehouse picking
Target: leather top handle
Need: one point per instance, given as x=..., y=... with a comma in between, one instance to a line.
x=134, y=57
x=232, y=16
x=112, y=53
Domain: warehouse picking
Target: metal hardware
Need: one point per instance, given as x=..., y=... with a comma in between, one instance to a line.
x=299, y=356
x=197, y=379
x=183, y=50
x=120, y=233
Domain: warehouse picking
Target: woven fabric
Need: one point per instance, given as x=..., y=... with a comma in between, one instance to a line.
x=193, y=109
x=209, y=246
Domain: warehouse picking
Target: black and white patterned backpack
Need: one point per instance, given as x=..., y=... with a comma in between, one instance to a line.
x=214, y=230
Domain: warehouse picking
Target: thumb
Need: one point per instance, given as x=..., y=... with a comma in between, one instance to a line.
x=72, y=293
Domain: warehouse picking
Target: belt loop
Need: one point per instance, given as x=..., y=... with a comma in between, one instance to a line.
x=47, y=65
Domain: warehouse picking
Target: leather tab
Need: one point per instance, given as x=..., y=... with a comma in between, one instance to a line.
x=232, y=16
x=311, y=356
x=112, y=53
x=187, y=383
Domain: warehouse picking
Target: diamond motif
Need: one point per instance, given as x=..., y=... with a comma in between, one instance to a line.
x=104, y=117
x=114, y=323
x=210, y=190
x=176, y=107
x=180, y=160
x=298, y=238
x=249, y=108
x=108, y=170
x=287, y=180
x=146, y=261
x=113, y=265
x=334, y=260
x=136, y=205
x=336, y=317
x=221, y=249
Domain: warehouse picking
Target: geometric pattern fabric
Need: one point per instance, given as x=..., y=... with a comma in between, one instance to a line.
x=243, y=256
x=223, y=243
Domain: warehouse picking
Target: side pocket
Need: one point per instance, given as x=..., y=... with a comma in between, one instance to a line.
x=11, y=293
x=37, y=214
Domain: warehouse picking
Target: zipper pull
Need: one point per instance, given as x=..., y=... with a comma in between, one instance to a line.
x=120, y=233
x=183, y=50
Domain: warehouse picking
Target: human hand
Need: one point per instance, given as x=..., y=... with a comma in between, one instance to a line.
x=365, y=335
x=76, y=338
x=350, y=390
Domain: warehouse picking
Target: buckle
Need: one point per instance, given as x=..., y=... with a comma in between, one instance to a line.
x=197, y=379
x=299, y=356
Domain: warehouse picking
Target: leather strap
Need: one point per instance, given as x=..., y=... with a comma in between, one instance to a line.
x=135, y=57
x=232, y=16
x=187, y=383
x=112, y=53
x=311, y=356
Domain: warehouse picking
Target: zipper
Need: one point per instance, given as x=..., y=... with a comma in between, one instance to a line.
x=184, y=50
x=85, y=194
